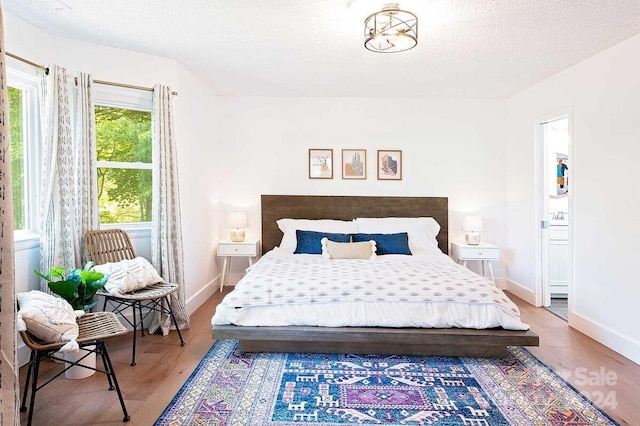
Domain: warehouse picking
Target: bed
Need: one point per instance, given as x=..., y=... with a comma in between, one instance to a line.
x=258, y=329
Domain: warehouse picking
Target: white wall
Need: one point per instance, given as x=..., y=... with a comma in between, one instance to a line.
x=195, y=125
x=603, y=96
x=197, y=129
x=451, y=148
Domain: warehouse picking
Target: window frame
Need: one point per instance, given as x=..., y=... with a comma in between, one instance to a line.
x=126, y=98
x=26, y=79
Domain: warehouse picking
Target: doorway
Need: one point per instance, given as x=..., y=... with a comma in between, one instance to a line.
x=556, y=188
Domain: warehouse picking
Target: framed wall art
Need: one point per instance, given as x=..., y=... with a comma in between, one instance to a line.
x=389, y=164
x=321, y=164
x=354, y=164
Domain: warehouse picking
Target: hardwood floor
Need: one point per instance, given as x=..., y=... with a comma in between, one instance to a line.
x=609, y=379
x=163, y=366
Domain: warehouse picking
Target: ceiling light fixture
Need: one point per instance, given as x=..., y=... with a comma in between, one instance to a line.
x=391, y=30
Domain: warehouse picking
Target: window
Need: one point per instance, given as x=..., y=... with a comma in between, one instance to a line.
x=24, y=148
x=16, y=123
x=123, y=145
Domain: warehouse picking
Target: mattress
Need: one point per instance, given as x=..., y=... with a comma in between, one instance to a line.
x=424, y=291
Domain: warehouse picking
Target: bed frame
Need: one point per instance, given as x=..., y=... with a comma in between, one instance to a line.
x=366, y=340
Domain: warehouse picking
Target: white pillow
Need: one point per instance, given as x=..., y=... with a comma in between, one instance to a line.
x=359, y=250
x=422, y=230
x=128, y=275
x=289, y=227
x=50, y=318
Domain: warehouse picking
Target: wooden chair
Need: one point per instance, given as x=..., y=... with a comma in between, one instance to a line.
x=94, y=328
x=114, y=245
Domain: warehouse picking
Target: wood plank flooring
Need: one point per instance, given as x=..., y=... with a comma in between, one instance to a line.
x=163, y=366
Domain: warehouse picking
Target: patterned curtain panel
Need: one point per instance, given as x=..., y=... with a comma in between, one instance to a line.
x=166, y=232
x=87, y=218
x=58, y=244
x=9, y=404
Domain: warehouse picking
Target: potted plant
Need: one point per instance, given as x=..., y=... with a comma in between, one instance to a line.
x=78, y=287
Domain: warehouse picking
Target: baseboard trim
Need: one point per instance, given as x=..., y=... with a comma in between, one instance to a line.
x=624, y=345
x=201, y=296
x=519, y=290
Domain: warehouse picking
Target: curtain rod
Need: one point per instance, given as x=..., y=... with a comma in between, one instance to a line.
x=109, y=83
x=128, y=86
x=26, y=61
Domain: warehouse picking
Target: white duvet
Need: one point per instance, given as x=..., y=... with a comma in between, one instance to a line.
x=427, y=291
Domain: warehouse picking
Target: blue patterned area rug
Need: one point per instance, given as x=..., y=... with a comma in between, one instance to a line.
x=228, y=388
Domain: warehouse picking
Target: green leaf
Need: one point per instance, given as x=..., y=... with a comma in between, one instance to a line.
x=56, y=272
x=94, y=282
x=66, y=289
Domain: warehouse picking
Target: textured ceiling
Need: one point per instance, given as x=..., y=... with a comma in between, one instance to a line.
x=466, y=48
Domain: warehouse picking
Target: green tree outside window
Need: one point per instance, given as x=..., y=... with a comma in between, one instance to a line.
x=124, y=190
x=17, y=156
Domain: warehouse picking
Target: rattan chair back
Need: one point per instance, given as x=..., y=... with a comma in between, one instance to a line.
x=108, y=245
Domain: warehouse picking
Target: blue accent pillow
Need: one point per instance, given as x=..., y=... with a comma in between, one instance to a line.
x=308, y=242
x=387, y=243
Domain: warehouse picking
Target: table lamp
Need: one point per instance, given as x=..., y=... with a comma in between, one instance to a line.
x=237, y=221
x=472, y=226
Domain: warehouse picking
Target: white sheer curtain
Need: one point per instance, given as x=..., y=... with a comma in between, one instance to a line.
x=9, y=389
x=166, y=233
x=58, y=242
x=85, y=157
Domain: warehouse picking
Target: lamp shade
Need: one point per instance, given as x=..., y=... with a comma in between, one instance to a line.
x=472, y=224
x=238, y=220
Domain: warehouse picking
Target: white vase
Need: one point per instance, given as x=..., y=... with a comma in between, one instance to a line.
x=76, y=372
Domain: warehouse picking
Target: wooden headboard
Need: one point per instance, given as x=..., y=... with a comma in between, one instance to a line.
x=276, y=207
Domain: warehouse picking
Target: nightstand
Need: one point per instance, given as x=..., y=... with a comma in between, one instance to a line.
x=229, y=249
x=461, y=253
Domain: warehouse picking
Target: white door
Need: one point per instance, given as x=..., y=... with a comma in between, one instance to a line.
x=555, y=189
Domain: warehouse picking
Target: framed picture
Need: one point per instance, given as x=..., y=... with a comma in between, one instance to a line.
x=389, y=164
x=321, y=164
x=354, y=164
